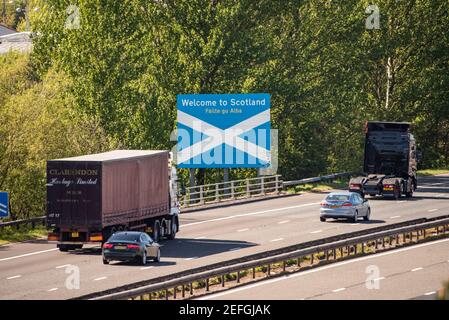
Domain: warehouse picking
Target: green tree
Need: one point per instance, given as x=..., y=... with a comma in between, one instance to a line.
x=40, y=122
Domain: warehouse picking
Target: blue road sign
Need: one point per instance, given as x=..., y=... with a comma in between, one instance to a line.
x=4, y=205
x=223, y=130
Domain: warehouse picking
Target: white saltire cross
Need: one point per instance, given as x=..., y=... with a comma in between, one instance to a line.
x=229, y=136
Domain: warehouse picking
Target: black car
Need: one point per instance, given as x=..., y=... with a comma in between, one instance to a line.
x=131, y=245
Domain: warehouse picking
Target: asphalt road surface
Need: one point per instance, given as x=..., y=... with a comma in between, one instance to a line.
x=416, y=272
x=37, y=270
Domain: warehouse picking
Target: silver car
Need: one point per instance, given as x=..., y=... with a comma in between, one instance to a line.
x=348, y=205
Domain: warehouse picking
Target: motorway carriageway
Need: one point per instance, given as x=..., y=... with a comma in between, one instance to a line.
x=415, y=272
x=36, y=270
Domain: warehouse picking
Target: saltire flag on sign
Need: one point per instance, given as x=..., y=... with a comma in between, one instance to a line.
x=4, y=205
x=223, y=131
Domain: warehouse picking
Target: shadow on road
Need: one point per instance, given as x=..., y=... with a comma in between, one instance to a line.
x=418, y=196
x=197, y=248
x=184, y=248
x=149, y=263
x=344, y=221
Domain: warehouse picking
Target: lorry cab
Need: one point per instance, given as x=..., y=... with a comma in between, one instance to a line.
x=390, y=161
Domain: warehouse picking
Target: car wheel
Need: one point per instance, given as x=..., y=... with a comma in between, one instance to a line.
x=158, y=257
x=368, y=214
x=105, y=261
x=356, y=217
x=144, y=258
x=322, y=219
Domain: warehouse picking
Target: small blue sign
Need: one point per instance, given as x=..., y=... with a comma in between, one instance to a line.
x=223, y=131
x=4, y=205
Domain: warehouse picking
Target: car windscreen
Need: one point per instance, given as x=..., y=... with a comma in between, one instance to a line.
x=135, y=237
x=337, y=197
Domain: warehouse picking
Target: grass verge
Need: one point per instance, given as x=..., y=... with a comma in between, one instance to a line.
x=432, y=172
x=10, y=234
x=319, y=187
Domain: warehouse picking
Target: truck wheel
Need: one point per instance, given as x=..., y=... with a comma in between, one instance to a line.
x=397, y=193
x=63, y=248
x=410, y=194
x=174, y=228
x=105, y=261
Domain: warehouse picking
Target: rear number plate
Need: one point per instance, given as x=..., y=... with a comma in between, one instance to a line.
x=388, y=188
x=120, y=247
x=75, y=234
x=334, y=207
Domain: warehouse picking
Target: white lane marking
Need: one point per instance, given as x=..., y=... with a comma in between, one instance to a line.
x=243, y=230
x=276, y=240
x=437, y=184
x=338, y=290
x=63, y=266
x=251, y=214
x=395, y=217
x=14, y=277
x=220, y=242
x=335, y=265
x=146, y=268
x=401, y=201
x=429, y=293
x=317, y=231
x=285, y=221
x=28, y=254
x=378, y=279
x=198, y=238
x=354, y=224
x=416, y=269
x=192, y=258
x=101, y=278
x=233, y=249
x=52, y=289
x=432, y=210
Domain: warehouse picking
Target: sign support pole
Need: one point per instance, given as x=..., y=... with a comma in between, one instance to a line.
x=192, y=181
x=226, y=179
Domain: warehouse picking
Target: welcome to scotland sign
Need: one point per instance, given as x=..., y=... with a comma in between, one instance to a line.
x=223, y=131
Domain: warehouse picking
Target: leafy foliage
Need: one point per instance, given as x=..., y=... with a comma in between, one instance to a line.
x=122, y=67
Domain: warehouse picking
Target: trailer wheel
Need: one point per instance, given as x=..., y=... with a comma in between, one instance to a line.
x=174, y=229
x=156, y=231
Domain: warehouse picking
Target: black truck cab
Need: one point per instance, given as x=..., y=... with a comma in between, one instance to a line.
x=390, y=161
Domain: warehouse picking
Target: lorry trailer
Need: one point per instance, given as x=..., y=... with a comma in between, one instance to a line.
x=390, y=161
x=91, y=197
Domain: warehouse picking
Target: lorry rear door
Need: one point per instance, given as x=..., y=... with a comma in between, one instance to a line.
x=73, y=193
